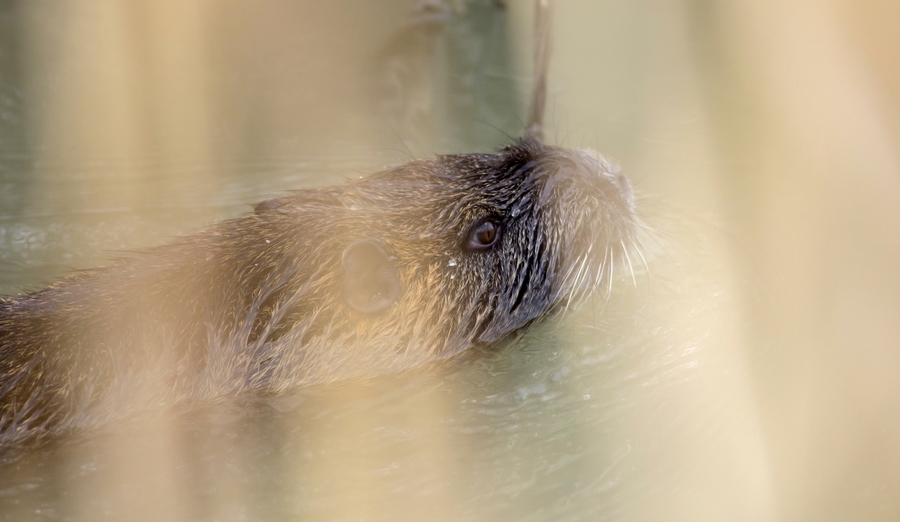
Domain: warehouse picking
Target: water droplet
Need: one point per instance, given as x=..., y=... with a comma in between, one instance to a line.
x=452, y=262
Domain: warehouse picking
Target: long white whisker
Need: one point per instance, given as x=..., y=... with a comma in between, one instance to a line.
x=566, y=278
x=574, y=283
x=641, y=254
x=583, y=272
x=630, y=266
x=612, y=262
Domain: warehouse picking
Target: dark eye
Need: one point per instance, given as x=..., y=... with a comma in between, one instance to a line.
x=483, y=234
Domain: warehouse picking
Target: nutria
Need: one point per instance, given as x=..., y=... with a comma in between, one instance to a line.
x=418, y=262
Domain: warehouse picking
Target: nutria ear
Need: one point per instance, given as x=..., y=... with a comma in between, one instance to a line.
x=269, y=204
x=371, y=282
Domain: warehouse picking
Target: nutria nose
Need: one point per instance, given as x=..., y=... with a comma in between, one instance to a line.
x=612, y=174
x=624, y=186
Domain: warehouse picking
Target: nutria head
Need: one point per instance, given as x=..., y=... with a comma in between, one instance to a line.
x=437, y=256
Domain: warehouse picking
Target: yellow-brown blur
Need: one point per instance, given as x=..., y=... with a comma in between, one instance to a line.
x=763, y=137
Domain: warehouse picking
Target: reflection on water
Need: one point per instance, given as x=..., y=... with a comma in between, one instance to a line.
x=85, y=215
x=604, y=413
x=750, y=371
x=581, y=418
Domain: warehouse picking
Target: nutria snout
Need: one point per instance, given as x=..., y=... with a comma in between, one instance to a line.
x=417, y=262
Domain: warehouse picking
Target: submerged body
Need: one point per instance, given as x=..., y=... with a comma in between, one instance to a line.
x=418, y=262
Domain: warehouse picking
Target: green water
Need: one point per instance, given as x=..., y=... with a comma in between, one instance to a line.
x=747, y=372
x=599, y=414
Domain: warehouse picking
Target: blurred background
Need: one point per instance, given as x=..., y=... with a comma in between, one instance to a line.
x=750, y=372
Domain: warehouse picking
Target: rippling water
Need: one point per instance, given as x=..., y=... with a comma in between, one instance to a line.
x=747, y=371
x=601, y=413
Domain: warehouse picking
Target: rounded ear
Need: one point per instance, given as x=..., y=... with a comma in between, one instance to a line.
x=371, y=282
x=269, y=204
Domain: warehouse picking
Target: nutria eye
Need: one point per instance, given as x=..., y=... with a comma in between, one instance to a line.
x=483, y=234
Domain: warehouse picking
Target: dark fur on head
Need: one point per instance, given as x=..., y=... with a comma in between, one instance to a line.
x=275, y=299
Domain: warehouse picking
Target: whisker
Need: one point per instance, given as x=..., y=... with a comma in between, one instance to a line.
x=583, y=272
x=574, y=284
x=637, y=249
x=566, y=278
x=612, y=262
x=630, y=266
x=604, y=270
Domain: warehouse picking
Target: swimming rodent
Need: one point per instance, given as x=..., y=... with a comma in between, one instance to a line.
x=418, y=262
